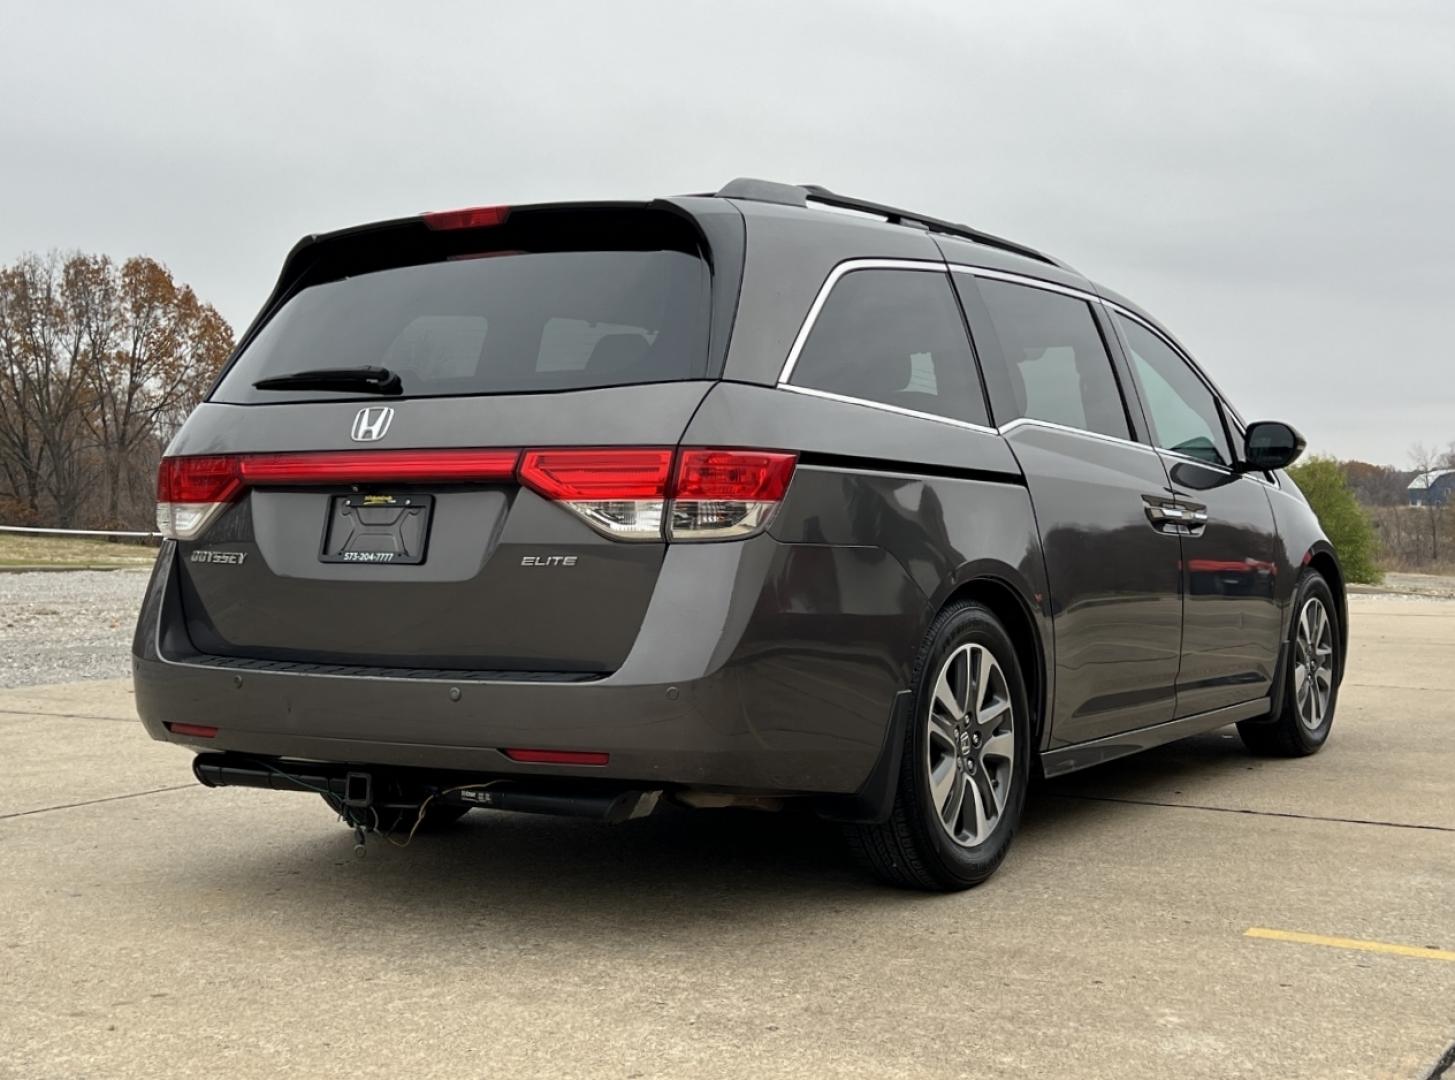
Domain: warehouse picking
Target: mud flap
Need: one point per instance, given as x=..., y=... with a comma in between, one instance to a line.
x=872, y=803
x=1275, y=690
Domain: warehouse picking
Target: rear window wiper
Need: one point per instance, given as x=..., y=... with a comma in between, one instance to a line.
x=369, y=380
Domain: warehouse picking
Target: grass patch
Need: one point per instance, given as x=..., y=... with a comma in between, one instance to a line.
x=38, y=550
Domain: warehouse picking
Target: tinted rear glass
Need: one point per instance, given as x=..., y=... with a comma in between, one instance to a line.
x=502, y=323
x=1055, y=365
x=895, y=337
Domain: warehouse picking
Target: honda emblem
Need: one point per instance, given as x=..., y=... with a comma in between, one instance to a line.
x=372, y=424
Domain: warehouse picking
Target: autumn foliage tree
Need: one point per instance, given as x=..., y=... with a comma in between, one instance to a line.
x=1344, y=521
x=98, y=364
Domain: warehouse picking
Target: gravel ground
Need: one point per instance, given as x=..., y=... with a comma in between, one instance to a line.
x=67, y=625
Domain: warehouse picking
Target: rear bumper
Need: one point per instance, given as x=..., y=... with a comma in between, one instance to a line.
x=759, y=666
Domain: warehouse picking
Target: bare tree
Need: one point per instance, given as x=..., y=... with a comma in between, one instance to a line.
x=154, y=348
x=98, y=364
x=22, y=457
x=1427, y=460
x=1376, y=485
x=45, y=385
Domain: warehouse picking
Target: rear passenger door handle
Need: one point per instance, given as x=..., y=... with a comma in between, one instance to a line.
x=1175, y=518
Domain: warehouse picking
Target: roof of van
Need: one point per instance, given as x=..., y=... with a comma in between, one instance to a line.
x=803, y=195
x=959, y=243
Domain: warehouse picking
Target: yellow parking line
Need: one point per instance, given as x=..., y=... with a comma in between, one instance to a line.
x=1349, y=943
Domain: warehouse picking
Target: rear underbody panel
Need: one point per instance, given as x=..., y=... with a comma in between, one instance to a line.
x=730, y=683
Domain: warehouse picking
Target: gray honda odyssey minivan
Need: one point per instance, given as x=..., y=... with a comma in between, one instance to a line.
x=770, y=497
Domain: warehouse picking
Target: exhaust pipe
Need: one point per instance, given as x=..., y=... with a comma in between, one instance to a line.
x=222, y=770
x=358, y=788
x=612, y=809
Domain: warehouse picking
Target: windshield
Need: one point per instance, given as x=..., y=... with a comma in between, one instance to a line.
x=494, y=324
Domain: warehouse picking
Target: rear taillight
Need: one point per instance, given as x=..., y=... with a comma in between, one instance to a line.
x=626, y=494
x=621, y=493
x=724, y=494
x=192, y=491
x=638, y=495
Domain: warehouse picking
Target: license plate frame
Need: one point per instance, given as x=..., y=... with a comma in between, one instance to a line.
x=377, y=529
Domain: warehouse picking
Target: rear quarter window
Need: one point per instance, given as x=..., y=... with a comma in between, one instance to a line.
x=894, y=337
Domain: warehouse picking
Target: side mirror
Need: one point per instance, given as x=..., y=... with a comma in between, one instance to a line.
x=1269, y=445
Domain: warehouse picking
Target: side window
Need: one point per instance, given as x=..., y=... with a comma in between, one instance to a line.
x=1056, y=364
x=1183, y=412
x=895, y=337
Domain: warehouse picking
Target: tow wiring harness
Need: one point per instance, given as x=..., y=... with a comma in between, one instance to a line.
x=349, y=814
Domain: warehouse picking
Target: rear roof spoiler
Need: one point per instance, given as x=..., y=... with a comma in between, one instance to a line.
x=417, y=228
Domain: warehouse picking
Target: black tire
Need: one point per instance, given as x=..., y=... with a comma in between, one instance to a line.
x=914, y=848
x=1292, y=730
x=437, y=816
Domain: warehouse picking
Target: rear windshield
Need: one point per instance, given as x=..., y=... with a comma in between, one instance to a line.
x=496, y=323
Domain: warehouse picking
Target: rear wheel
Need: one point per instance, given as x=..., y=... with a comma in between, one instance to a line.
x=1300, y=723
x=437, y=815
x=966, y=760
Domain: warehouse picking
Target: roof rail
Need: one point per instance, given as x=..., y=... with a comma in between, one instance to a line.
x=896, y=216
x=802, y=194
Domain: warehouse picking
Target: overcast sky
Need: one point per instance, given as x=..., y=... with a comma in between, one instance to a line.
x=1274, y=180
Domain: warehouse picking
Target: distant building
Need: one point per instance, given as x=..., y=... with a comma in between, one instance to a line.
x=1433, y=488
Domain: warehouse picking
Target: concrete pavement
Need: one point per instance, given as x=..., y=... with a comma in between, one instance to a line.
x=160, y=929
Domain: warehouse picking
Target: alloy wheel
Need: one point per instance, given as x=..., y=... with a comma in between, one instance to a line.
x=970, y=749
x=1313, y=664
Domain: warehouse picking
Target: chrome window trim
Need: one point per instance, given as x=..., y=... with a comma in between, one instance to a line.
x=1022, y=279
x=1196, y=460
x=1238, y=422
x=850, y=265
x=846, y=267
x=1112, y=306
x=1049, y=425
x=1065, y=290
x=846, y=399
x=1202, y=376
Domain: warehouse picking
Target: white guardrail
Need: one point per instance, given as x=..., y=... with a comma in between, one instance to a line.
x=76, y=532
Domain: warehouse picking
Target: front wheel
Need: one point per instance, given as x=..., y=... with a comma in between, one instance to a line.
x=966, y=760
x=1300, y=723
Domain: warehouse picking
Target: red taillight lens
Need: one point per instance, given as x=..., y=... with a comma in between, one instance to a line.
x=753, y=475
x=558, y=757
x=198, y=479
x=597, y=474
x=378, y=466
x=620, y=493
x=473, y=217
x=626, y=494
x=728, y=494
x=192, y=491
